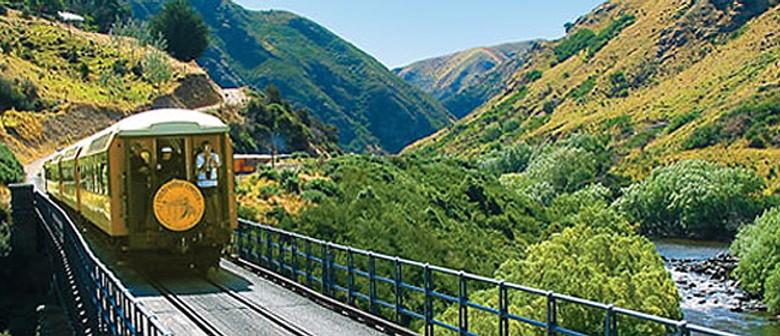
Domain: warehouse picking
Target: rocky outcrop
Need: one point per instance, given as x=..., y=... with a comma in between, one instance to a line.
x=194, y=91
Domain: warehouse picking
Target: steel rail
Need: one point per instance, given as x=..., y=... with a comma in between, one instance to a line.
x=276, y=319
x=202, y=322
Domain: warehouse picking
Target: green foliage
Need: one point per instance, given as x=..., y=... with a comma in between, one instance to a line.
x=694, y=198
x=514, y=159
x=585, y=38
x=491, y=132
x=100, y=13
x=314, y=196
x=18, y=94
x=156, y=68
x=272, y=125
x=562, y=168
x=581, y=91
x=618, y=85
x=140, y=31
x=183, y=29
x=681, y=120
x=533, y=75
x=756, y=247
x=755, y=120
x=573, y=43
x=612, y=30
x=325, y=186
x=437, y=211
x=704, y=136
x=44, y=6
x=11, y=170
x=593, y=263
x=246, y=212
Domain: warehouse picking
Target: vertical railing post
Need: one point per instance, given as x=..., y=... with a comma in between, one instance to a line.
x=371, y=283
x=350, y=277
x=682, y=328
x=503, y=309
x=463, y=313
x=294, y=256
x=269, y=251
x=240, y=240
x=308, y=264
x=258, y=248
x=609, y=320
x=428, y=300
x=398, y=289
x=280, y=256
x=551, y=313
x=324, y=260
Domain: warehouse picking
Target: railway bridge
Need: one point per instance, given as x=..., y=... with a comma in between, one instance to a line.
x=280, y=283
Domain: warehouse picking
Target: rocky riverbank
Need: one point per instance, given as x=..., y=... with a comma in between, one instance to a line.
x=709, y=283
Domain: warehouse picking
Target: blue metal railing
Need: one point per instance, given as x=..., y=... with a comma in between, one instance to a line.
x=412, y=293
x=95, y=299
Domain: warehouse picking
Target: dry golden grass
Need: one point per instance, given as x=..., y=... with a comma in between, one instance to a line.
x=711, y=75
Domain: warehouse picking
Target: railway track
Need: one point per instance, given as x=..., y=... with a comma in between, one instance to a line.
x=263, y=319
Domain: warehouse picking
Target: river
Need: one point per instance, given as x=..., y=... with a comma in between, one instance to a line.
x=713, y=309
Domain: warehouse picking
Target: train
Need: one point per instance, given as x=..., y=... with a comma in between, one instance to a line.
x=157, y=185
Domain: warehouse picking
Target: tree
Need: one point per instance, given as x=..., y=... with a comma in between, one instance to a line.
x=694, y=198
x=183, y=29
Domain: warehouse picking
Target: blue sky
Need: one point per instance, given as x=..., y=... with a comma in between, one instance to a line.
x=399, y=32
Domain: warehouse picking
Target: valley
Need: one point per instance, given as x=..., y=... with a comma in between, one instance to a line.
x=604, y=164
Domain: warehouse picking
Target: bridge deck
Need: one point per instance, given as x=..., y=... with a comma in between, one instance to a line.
x=235, y=319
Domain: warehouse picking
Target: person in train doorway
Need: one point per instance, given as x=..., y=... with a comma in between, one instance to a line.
x=207, y=165
x=168, y=166
x=139, y=182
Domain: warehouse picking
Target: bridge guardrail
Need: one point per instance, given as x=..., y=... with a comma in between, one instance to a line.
x=96, y=300
x=337, y=271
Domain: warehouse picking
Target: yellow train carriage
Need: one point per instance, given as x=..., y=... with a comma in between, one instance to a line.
x=143, y=181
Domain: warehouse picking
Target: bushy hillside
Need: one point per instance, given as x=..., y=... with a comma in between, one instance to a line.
x=314, y=69
x=464, y=80
x=268, y=123
x=661, y=80
x=59, y=84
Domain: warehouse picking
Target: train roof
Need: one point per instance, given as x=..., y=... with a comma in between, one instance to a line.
x=160, y=122
x=168, y=122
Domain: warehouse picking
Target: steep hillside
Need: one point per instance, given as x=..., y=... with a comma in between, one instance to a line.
x=464, y=80
x=662, y=80
x=59, y=84
x=315, y=69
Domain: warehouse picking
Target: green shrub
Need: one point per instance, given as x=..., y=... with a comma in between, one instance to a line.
x=11, y=170
x=314, y=196
x=246, y=212
x=18, y=94
x=300, y=155
x=694, y=198
x=533, y=75
x=325, y=186
x=704, y=136
x=756, y=247
x=573, y=43
x=596, y=264
x=491, y=132
x=267, y=191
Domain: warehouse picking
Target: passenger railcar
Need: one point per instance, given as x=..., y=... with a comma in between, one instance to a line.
x=158, y=184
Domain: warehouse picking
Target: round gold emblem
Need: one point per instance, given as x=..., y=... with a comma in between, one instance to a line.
x=178, y=205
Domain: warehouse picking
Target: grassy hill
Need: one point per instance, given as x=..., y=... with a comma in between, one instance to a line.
x=315, y=69
x=65, y=84
x=464, y=80
x=661, y=81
